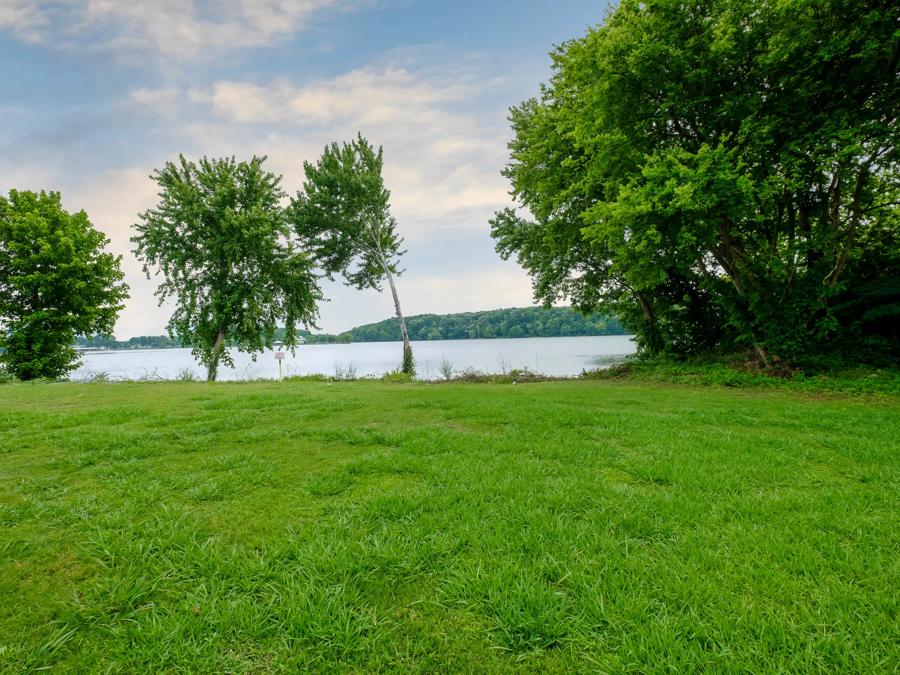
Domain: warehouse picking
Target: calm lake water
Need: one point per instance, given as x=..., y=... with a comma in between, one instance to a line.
x=550, y=356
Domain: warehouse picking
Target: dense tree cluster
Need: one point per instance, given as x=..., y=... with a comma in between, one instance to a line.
x=56, y=280
x=498, y=323
x=720, y=174
x=219, y=238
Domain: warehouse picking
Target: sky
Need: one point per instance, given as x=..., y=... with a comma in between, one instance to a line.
x=96, y=94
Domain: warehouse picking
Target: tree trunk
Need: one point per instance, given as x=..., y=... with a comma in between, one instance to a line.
x=213, y=368
x=407, y=364
x=855, y=216
x=652, y=337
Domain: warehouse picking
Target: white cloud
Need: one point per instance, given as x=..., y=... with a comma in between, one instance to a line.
x=22, y=175
x=155, y=98
x=440, y=157
x=183, y=29
x=364, y=96
x=23, y=18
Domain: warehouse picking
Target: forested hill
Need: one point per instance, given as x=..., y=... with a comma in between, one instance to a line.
x=498, y=323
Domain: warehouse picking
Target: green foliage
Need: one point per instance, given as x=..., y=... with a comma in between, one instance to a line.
x=219, y=238
x=721, y=175
x=56, y=280
x=342, y=215
x=496, y=323
x=408, y=365
x=558, y=527
x=507, y=376
x=185, y=375
x=397, y=376
x=6, y=377
x=314, y=377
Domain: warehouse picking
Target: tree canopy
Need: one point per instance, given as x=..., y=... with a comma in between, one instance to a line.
x=722, y=174
x=342, y=215
x=219, y=238
x=56, y=280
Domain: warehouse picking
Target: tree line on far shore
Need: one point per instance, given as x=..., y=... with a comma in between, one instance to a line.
x=516, y=322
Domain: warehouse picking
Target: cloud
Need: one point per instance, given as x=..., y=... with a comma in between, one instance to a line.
x=364, y=96
x=163, y=97
x=180, y=29
x=16, y=174
x=443, y=148
x=23, y=18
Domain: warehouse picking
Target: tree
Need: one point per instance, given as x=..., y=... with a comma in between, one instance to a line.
x=219, y=238
x=56, y=281
x=343, y=216
x=722, y=174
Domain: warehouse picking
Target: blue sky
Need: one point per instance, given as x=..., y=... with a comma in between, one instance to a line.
x=97, y=93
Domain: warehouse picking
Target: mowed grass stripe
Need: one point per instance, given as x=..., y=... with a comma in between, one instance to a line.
x=365, y=526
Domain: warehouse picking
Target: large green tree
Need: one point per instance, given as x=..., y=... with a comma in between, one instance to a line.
x=343, y=216
x=219, y=238
x=723, y=173
x=56, y=281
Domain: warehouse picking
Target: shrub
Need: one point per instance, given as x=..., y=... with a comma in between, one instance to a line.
x=446, y=368
x=6, y=377
x=396, y=376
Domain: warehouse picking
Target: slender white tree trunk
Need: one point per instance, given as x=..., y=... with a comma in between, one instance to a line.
x=407, y=349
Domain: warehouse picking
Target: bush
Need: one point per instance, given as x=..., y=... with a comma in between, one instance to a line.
x=513, y=376
x=313, y=377
x=342, y=373
x=6, y=377
x=396, y=376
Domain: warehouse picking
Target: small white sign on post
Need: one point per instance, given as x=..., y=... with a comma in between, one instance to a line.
x=279, y=356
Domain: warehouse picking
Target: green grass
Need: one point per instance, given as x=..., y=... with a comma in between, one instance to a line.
x=368, y=526
x=736, y=371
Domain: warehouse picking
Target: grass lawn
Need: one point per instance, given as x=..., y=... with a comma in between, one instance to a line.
x=559, y=526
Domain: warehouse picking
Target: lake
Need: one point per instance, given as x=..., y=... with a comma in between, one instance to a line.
x=559, y=356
